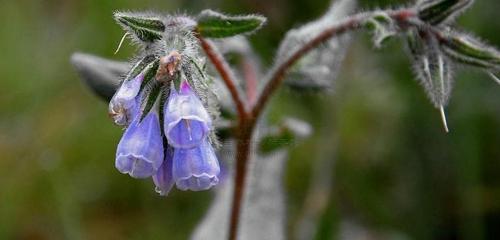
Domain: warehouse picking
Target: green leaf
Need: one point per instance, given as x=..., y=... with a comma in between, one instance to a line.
x=216, y=25
x=150, y=72
x=466, y=49
x=274, y=142
x=140, y=66
x=151, y=98
x=146, y=28
x=289, y=131
x=441, y=11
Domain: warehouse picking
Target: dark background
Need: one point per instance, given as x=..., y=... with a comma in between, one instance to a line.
x=392, y=171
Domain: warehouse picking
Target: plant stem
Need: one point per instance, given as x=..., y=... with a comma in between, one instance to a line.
x=279, y=72
x=243, y=146
x=225, y=72
x=247, y=120
x=249, y=72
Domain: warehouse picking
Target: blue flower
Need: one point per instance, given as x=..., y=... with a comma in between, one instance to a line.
x=163, y=178
x=187, y=122
x=140, y=151
x=125, y=103
x=196, y=168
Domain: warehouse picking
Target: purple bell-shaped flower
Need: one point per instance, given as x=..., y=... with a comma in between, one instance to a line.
x=187, y=122
x=196, y=168
x=163, y=179
x=124, y=104
x=140, y=151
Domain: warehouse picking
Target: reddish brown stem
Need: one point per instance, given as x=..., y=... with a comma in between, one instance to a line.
x=280, y=72
x=243, y=146
x=226, y=74
x=250, y=80
x=248, y=120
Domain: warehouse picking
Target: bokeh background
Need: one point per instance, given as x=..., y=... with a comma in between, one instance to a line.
x=379, y=164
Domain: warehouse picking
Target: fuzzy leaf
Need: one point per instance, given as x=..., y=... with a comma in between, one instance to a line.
x=441, y=11
x=146, y=28
x=154, y=91
x=433, y=69
x=286, y=134
x=217, y=25
x=466, y=49
x=317, y=69
x=101, y=75
x=142, y=64
x=150, y=72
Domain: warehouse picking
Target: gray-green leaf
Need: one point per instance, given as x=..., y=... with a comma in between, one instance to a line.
x=101, y=75
x=212, y=24
x=433, y=69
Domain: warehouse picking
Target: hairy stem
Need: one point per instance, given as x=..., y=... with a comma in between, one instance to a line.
x=225, y=72
x=250, y=80
x=350, y=23
x=278, y=74
x=243, y=147
x=247, y=120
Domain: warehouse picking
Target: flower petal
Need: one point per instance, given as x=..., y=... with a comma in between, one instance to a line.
x=163, y=178
x=187, y=122
x=196, y=168
x=124, y=105
x=140, y=151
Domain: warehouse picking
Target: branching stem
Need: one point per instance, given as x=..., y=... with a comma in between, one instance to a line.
x=247, y=119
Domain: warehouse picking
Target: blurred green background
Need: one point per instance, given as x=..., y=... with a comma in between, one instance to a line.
x=391, y=170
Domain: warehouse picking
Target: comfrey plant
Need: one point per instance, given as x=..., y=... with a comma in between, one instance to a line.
x=169, y=132
x=167, y=105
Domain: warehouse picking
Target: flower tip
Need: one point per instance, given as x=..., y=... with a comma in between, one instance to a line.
x=185, y=88
x=197, y=182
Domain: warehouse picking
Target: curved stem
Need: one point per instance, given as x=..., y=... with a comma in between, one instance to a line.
x=279, y=72
x=350, y=23
x=226, y=74
x=247, y=120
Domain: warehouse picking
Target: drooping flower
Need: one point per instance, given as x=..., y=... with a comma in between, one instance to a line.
x=196, y=168
x=163, y=179
x=140, y=151
x=124, y=105
x=187, y=122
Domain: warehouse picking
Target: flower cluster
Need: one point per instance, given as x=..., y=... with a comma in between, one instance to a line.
x=179, y=152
